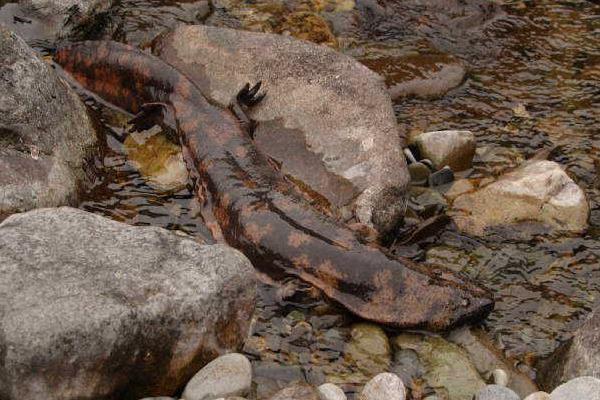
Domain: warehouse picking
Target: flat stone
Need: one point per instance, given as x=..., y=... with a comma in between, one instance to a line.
x=584, y=388
x=496, y=392
x=539, y=192
x=339, y=145
x=46, y=136
x=385, y=386
x=329, y=391
x=228, y=375
x=452, y=148
x=93, y=308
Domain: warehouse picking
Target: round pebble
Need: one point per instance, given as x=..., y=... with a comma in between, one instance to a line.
x=538, y=396
x=496, y=392
x=385, y=386
x=329, y=391
x=500, y=377
x=582, y=388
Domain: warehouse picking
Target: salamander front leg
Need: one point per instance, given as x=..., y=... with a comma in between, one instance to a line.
x=246, y=98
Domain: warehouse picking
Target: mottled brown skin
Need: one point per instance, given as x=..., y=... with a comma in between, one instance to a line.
x=257, y=211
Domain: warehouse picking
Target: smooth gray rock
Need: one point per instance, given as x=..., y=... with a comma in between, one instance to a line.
x=329, y=391
x=539, y=192
x=95, y=309
x=228, y=375
x=385, y=386
x=580, y=356
x=538, y=396
x=46, y=135
x=297, y=391
x=316, y=119
x=453, y=148
x=496, y=392
x=582, y=388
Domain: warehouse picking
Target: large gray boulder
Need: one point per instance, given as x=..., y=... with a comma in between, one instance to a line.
x=327, y=119
x=580, y=356
x=46, y=135
x=95, y=309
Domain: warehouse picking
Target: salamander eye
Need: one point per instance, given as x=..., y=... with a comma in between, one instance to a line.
x=465, y=302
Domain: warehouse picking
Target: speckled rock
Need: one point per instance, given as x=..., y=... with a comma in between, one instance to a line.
x=385, y=386
x=228, y=375
x=91, y=308
x=45, y=133
x=539, y=193
x=580, y=356
x=453, y=148
x=538, y=396
x=297, y=391
x=339, y=145
x=329, y=391
x=496, y=392
x=585, y=387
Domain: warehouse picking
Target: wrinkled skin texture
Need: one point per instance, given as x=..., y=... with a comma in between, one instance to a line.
x=256, y=210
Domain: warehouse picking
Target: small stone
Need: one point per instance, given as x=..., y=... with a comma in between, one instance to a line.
x=419, y=173
x=538, y=396
x=369, y=349
x=228, y=375
x=453, y=148
x=329, y=391
x=495, y=392
x=583, y=388
x=500, y=377
x=384, y=386
x=297, y=391
x=441, y=177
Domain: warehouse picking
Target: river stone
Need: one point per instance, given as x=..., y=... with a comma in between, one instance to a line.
x=385, y=386
x=539, y=192
x=453, y=148
x=46, y=135
x=228, y=375
x=297, y=391
x=340, y=145
x=95, y=309
x=368, y=350
x=448, y=369
x=496, y=392
x=329, y=391
x=584, y=388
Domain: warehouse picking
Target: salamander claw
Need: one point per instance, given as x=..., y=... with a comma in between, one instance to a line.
x=247, y=96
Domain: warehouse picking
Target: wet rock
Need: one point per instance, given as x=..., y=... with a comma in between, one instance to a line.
x=580, y=356
x=452, y=148
x=271, y=377
x=441, y=177
x=448, y=369
x=329, y=391
x=297, y=391
x=419, y=173
x=228, y=375
x=158, y=159
x=538, y=396
x=369, y=349
x=496, y=392
x=427, y=76
x=539, y=192
x=487, y=358
x=340, y=146
x=45, y=134
x=585, y=387
x=93, y=308
x=384, y=386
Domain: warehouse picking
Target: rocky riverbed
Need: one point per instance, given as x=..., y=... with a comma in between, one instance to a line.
x=504, y=93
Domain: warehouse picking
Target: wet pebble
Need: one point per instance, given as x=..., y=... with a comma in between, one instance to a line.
x=496, y=392
x=228, y=375
x=329, y=391
x=385, y=386
x=453, y=148
x=419, y=173
x=538, y=396
x=584, y=388
x=369, y=348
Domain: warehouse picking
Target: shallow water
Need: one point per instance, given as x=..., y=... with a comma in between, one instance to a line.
x=533, y=73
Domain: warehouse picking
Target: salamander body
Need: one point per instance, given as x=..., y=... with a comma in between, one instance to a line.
x=256, y=209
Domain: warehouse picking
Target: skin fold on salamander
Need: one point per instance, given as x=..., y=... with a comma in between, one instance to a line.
x=258, y=212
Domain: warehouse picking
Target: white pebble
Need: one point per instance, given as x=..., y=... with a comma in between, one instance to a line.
x=500, y=377
x=329, y=391
x=385, y=386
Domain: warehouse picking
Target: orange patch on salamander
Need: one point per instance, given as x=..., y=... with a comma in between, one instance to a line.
x=256, y=232
x=297, y=239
